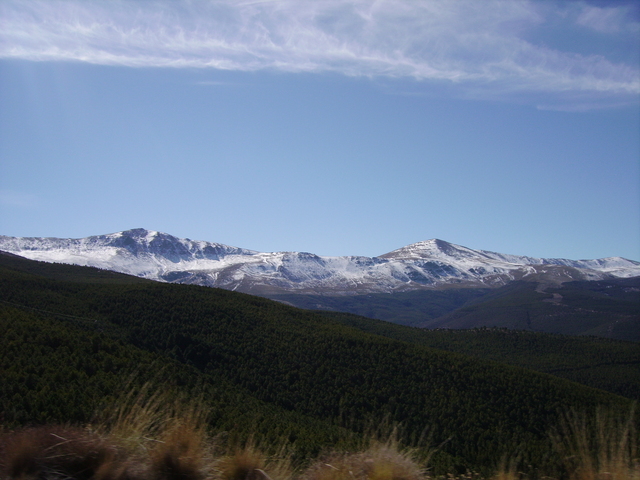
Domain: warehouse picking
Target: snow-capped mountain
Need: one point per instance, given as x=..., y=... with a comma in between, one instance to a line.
x=429, y=264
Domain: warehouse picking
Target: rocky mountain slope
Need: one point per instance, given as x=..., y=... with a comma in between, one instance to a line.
x=432, y=264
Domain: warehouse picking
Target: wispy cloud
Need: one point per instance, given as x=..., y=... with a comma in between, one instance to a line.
x=13, y=199
x=613, y=20
x=474, y=45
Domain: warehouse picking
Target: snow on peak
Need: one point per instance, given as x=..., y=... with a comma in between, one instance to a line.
x=434, y=249
x=426, y=264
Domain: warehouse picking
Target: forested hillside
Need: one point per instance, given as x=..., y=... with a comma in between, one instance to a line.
x=611, y=365
x=71, y=337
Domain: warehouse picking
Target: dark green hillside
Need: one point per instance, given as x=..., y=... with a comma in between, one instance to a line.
x=58, y=370
x=405, y=308
x=608, y=308
x=293, y=364
x=611, y=365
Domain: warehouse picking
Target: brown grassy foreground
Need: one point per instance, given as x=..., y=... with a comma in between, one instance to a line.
x=149, y=437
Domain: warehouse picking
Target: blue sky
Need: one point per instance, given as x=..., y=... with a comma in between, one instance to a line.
x=333, y=127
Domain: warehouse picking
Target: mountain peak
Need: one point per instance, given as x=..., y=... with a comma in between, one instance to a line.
x=433, y=263
x=434, y=249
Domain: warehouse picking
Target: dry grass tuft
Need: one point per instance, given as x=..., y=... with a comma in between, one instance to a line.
x=152, y=436
x=246, y=463
x=602, y=449
x=387, y=462
x=250, y=462
x=508, y=474
x=381, y=461
x=181, y=453
x=61, y=452
x=137, y=419
x=146, y=436
x=161, y=429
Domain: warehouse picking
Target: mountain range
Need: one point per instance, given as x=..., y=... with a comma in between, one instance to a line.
x=428, y=265
x=431, y=284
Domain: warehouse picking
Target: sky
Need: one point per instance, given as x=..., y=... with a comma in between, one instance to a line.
x=345, y=127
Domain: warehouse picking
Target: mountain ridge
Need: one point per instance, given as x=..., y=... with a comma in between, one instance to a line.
x=429, y=264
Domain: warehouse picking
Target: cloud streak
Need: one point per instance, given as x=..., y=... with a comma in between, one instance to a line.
x=13, y=199
x=477, y=46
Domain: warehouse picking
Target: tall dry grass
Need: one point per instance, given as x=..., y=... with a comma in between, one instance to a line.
x=61, y=452
x=598, y=447
x=381, y=459
x=162, y=431
x=149, y=435
x=250, y=461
